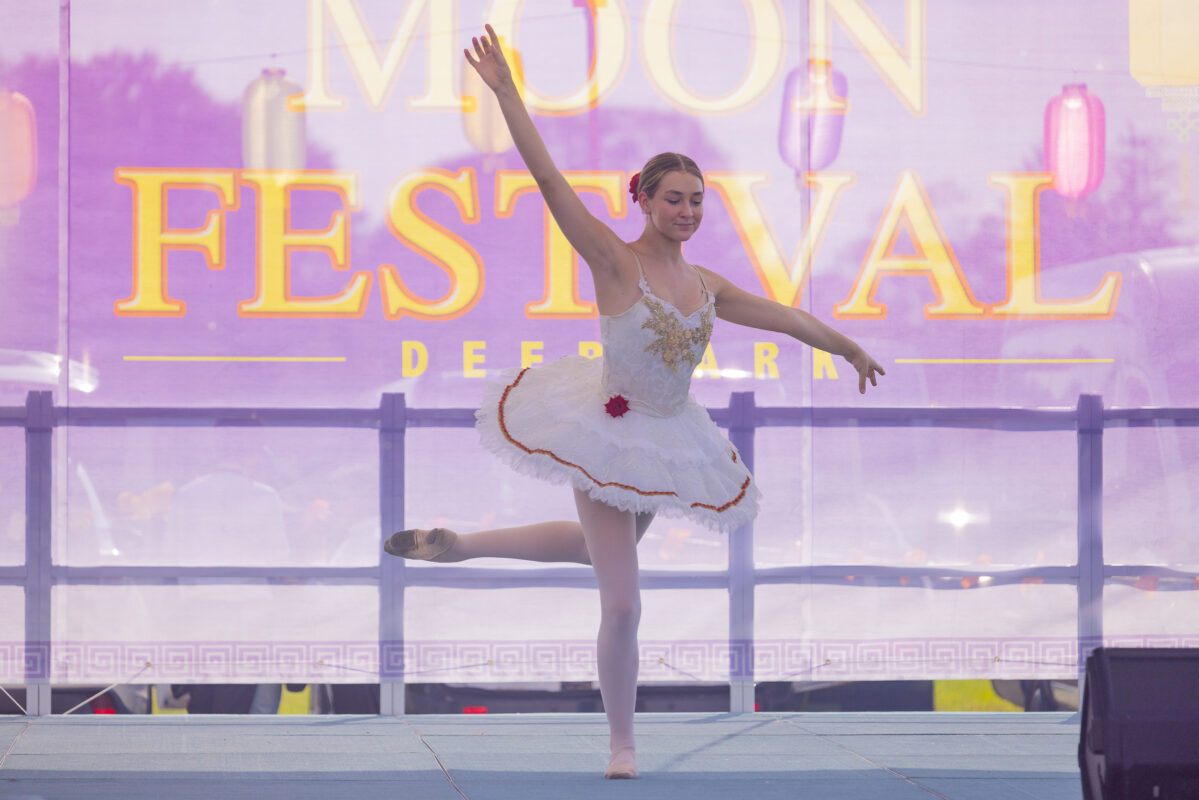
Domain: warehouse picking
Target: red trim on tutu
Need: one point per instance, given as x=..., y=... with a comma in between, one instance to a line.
x=592, y=478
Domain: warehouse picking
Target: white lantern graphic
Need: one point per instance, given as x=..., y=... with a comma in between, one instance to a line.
x=1163, y=58
x=272, y=135
x=482, y=121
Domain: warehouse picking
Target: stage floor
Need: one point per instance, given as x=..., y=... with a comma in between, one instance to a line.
x=884, y=756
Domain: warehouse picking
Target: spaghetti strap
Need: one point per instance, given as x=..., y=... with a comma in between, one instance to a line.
x=642, y=282
x=702, y=282
x=640, y=271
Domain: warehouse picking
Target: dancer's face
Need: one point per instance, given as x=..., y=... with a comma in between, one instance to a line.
x=677, y=206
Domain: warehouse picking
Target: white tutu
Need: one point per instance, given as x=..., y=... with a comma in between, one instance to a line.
x=550, y=422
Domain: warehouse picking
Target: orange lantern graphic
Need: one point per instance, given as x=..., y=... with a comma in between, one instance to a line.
x=273, y=136
x=18, y=148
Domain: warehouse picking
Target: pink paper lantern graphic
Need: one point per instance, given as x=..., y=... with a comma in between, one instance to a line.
x=18, y=148
x=818, y=149
x=1074, y=141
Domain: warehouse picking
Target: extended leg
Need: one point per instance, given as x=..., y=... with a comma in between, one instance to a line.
x=542, y=541
x=611, y=537
x=560, y=541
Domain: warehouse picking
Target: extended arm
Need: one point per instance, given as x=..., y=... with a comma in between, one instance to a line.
x=739, y=306
x=594, y=241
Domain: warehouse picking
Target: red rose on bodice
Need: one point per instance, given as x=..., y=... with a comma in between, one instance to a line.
x=616, y=406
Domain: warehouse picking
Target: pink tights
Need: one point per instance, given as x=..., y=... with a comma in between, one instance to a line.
x=606, y=538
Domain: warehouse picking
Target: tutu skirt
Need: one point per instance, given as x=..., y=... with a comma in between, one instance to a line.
x=550, y=422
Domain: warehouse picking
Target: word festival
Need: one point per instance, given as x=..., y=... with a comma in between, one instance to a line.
x=337, y=31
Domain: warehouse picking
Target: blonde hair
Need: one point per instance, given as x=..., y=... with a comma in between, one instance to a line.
x=661, y=165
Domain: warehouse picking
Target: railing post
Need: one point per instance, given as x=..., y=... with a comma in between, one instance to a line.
x=39, y=432
x=393, y=420
x=1090, y=526
x=741, y=569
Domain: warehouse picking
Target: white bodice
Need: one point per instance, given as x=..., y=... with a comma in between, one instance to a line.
x=651, y=350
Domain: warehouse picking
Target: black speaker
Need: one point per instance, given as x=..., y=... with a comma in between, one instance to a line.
x=1140, y=724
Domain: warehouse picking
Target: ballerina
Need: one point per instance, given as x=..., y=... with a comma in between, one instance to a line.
x=623, y=430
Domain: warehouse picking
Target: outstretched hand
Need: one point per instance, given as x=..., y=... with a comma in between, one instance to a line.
x=866, y=368
x=488, y=60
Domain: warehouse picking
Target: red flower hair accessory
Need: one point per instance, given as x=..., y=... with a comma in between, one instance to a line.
x=633, y=181
x=617, y=406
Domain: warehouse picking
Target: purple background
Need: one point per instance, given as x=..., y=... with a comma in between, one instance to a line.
x=155, y=85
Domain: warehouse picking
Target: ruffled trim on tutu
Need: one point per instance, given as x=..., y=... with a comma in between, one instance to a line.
x=549, y=423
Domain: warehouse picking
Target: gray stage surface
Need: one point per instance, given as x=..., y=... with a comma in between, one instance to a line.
x=891, y=756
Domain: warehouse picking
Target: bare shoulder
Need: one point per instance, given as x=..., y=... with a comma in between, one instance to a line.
x=716, y=282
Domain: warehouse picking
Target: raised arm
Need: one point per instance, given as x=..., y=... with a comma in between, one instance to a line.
x=743, y=308
x=599, y=246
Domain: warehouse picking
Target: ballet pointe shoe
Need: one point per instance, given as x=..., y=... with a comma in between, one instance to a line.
x=421, y=545
x=623, y=764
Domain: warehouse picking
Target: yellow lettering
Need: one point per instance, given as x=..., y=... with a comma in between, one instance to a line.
x=707, y=368
x=591, y=349
x=561, y=299
x=152, y=239
x=903, y=69
x=658, y=44
x=764, y=355
x=822, y=365
x=448, y=252
x=781, y=281
x=910, y=209
x=530, y=353
x=1024, y=299
x=472, y=359
x=610, y=54
x=414, y=358
x=277, y=240
x=376, y=72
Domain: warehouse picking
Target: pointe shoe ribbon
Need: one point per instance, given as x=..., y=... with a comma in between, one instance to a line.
x=622, y=765
x=420, y=545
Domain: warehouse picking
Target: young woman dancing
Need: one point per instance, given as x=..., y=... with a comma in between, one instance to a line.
x=623, y=430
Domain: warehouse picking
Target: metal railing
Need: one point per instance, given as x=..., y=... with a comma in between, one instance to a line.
x=393, y=418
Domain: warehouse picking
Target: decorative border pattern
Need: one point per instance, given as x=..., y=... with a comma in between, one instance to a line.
x=559, y=660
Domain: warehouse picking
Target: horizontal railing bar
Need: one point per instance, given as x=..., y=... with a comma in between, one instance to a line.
x=439, y=417
x=1146, y=570
x=1029, y=419
x=877, y=571
x=159, y=574
x=555, y=577
x=482, y=577
x=1143, y=417
x=222, y=580
x=219, y=417
x=1012, y=419
x=1016, y=419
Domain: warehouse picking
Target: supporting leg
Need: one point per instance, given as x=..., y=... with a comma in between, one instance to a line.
x=611, y=537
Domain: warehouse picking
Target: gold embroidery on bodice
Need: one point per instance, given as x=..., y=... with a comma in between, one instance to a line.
x=675, y=343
